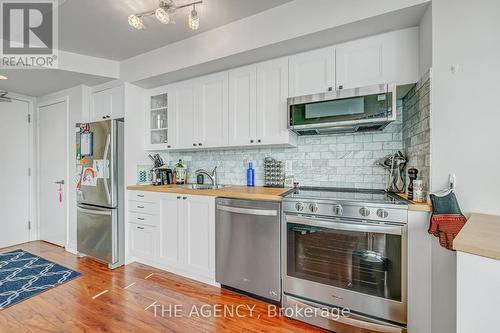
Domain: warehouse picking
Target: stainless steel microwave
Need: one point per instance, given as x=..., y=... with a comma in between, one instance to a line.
x=368, y=108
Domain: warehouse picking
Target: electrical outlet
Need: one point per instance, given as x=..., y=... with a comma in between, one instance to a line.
x=452, y=181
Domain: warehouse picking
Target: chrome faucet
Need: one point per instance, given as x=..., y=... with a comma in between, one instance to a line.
x=212, y=176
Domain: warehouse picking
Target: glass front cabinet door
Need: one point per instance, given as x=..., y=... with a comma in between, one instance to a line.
x=158, y=123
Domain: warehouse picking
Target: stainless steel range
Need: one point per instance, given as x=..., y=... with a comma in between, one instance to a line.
x=346, y=248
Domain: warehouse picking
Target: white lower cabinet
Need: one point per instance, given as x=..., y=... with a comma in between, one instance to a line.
x=184, y=241
x=143, y=240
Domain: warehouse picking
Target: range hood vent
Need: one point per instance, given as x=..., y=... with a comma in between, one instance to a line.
x=362, y=109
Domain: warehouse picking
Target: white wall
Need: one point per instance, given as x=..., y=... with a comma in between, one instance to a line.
x=136, y=103
x=464, y=125
x=77, y=103
x=425, y=42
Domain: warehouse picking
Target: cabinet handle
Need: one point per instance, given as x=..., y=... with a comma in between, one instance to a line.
x=169, y=146
x=178, y=198
x=341, y=87
x=194, y=144
x=140, y=218
x=199, y=144
x=140, y=195
x=259, y=141
x=330, y=88
x=141, y=228
x=140, y=207
x=184, y=198
x=251, y=141
x=103, y=117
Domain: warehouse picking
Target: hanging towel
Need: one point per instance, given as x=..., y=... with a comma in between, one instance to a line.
x=447, y=219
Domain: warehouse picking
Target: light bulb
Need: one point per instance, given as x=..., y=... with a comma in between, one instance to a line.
x=162, y=15
x=194, y=20
x=136, y=22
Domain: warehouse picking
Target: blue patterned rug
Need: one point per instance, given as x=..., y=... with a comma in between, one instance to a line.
x=23, y=275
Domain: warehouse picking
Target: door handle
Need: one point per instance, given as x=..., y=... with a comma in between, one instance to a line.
x=60, y=182
x=248, y=211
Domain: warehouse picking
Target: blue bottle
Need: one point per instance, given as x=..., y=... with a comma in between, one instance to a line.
x=250, y=175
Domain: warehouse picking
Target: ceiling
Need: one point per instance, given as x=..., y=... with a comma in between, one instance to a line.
x=99, y=28
x=39, y=82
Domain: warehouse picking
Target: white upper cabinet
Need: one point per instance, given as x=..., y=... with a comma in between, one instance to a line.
x=242, y=105
x=211, y=111
x=312, y=72
x=183, y=107
x=386, y=58
x=107, y=104
x=272, y=93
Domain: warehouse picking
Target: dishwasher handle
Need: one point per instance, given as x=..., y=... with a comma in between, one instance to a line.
x=248, y=211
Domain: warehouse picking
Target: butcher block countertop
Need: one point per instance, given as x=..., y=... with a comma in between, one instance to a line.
x=480, y=236
x=416, y=206
x=229, y=191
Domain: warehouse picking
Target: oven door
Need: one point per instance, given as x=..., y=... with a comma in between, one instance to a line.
x=347, y=263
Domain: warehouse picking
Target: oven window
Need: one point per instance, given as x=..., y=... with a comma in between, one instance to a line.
x=364, y=262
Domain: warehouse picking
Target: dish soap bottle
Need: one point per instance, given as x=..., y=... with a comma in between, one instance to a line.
x=250, y=175
x=180, y=173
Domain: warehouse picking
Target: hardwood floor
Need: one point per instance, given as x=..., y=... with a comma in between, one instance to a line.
x=117, y=301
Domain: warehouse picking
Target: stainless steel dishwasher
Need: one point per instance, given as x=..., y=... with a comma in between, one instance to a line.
x=247, y=242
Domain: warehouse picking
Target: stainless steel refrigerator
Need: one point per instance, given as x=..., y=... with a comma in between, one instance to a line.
x=100, y=208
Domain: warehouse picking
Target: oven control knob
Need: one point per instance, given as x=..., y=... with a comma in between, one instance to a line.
x=364, y=211
x=382, y=213
x=299, y=206
x=313, y=208
x=338, y=210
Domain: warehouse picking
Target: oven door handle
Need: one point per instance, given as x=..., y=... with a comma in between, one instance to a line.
x=379, y=228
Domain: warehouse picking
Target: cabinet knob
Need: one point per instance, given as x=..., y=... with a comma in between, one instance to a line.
x=259, y=141
x=341, y=87
x=194, y=144
x=169, y=146
x=251, y=141
x=103, y=117
x=330, y=88
x=199, y=144
x=178, y=197
x=184, y=198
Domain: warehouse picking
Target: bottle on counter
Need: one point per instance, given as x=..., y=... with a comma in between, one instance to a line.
x=180, y=172
x=250, y=175
x=412, y=174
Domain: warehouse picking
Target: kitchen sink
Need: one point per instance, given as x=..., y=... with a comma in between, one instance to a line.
x=200, y=186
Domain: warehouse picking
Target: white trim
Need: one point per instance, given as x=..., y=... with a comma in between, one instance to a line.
x=67, y=179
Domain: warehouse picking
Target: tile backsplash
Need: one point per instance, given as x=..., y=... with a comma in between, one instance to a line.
x=342, y=160
x=416, y=129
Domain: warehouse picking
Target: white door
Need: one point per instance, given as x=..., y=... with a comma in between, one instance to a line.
x=101, y=105
x=52, y=161
x=15, y=193
x=211, y=110
x=359, y=64
x=272, y=91
x=312, y=72
x=169, y=225
x=197, y=222
x=184, y=107
x=242, y=106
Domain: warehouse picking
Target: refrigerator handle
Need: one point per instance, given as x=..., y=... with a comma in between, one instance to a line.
x=106, y=186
